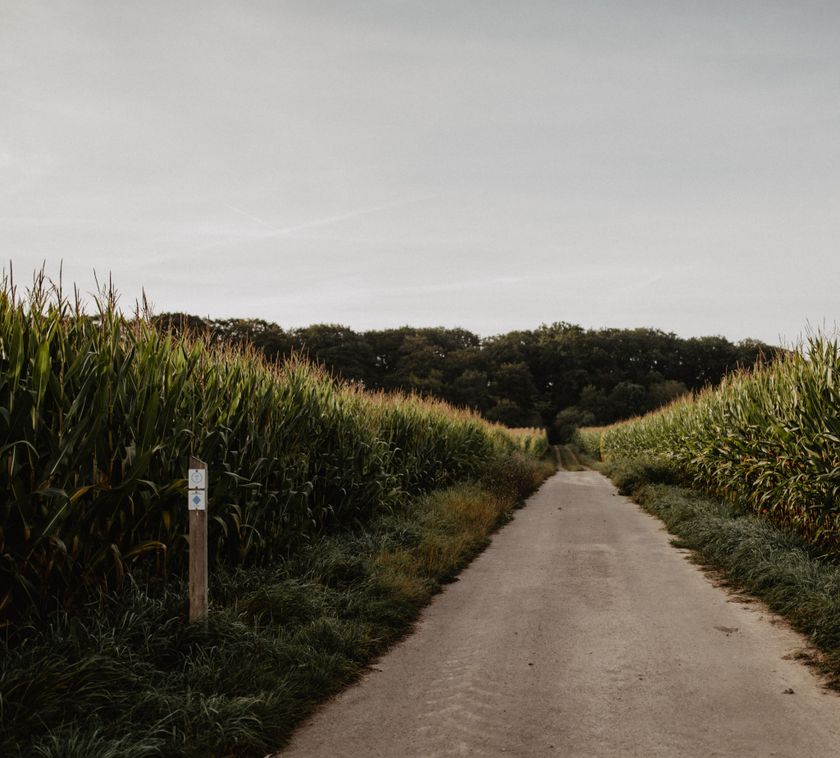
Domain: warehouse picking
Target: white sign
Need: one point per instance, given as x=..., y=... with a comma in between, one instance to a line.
x=197, y=479
x=197, y=500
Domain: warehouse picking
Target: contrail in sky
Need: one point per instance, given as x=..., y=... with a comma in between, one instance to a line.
x=351, y=214
x=278, y=231
x=251, y=216
x=272, y=230
x=326, y=221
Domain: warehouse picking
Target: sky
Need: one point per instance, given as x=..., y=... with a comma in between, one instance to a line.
x=489, y=164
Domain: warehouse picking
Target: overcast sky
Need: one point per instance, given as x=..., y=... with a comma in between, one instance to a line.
x=479, y=163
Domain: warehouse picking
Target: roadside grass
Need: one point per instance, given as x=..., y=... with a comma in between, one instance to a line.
x=131, y=678
x=629, y=475
x=777, y=565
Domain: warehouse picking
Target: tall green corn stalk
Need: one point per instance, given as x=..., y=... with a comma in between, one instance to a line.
x=98, y=414
x=769, y=438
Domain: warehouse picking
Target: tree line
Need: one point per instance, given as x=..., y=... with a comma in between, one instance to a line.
x=557, y=376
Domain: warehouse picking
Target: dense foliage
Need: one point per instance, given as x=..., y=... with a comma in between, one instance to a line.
x=558, y=377
x=769, y=439
x=98, y=415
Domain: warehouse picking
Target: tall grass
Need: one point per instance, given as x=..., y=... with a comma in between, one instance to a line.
x=98, y=414
x=769, y=438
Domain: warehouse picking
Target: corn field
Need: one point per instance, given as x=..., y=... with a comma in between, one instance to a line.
x=769, y=438
x=99, y=413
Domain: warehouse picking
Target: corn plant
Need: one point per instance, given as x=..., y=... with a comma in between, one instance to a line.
x=769, y=438
x=98, y=413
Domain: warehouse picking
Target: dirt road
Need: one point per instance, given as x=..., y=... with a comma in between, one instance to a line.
x=582, y=632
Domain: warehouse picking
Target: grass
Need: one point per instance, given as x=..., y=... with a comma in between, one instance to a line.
x=775, y=564
x=129, y=677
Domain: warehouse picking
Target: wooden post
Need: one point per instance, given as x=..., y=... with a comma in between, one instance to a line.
x=197, y=503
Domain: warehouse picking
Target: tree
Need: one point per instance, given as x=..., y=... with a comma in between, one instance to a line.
x=340, y=349
x=557, y=375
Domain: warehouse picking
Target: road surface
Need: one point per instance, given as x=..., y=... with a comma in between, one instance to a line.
x=582, y=632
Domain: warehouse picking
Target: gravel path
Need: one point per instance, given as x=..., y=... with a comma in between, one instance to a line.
x=582, y=632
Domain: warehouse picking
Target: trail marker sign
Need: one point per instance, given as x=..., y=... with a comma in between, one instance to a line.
x=197, y=505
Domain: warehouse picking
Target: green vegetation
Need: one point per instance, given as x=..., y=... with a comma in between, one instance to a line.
x=130, y=677
x=558, y=377
x=335, y=515
x=769, y=439
x=98, y=414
